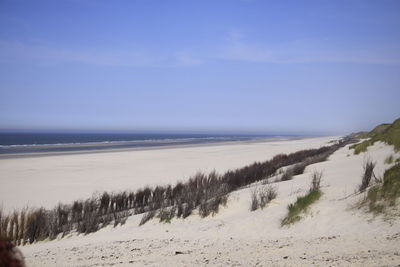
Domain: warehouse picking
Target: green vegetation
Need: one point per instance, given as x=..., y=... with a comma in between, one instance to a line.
x=391, y=184
x=392, y=135
x=386, y=194
x=301, y=205
x=360, y=135
x=379, y=129
x=388, y=133
x=362, y=147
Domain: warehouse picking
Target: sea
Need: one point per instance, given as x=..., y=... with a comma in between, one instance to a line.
x=14, y=143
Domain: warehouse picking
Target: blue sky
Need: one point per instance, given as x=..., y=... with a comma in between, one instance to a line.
x=239, y=66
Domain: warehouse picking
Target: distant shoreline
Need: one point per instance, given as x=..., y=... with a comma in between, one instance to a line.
x=73, y=149
x=44, y=179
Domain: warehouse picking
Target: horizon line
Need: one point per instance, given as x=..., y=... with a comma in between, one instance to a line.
x=174, y=132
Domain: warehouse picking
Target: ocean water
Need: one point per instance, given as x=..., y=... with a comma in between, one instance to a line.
x=58, y=142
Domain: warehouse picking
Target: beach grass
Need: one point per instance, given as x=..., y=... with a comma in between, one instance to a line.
x=380, y=196
x=388, y=133
x=300, y=206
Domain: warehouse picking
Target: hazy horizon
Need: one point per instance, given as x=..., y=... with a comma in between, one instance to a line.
x=163, y=132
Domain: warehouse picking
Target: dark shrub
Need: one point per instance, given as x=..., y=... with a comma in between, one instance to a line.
x=179, y=211
x=299, y=168
x=90, y=221
x=261, y=196
x=158, y=197
x=77, y=211
x=368, y=172
x=131, y=200
x=120, y=218
x=166, y=214
x=187, y=210
x=15, y=225
x=147, y=217
x=36, y=225
x=4, y=225
x=254, y=200
x=287, y=175
x=89, y=224
x=104, y=203
x=22, y=227
x=315, y=181
x=212, y=206
x=267, y=194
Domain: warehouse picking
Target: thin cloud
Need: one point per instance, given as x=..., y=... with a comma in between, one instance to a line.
x=235, y=35
x=188, y=60
x=305, y=51
x=11, y=50
x=235, y=47
x=45, y=54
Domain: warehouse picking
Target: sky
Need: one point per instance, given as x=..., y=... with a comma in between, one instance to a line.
x=219, y=66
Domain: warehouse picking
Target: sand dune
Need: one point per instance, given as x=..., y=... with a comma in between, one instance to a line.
x=332, y=233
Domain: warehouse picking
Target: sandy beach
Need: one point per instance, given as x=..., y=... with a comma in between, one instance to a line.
x=332, y=233
x=49, y=179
